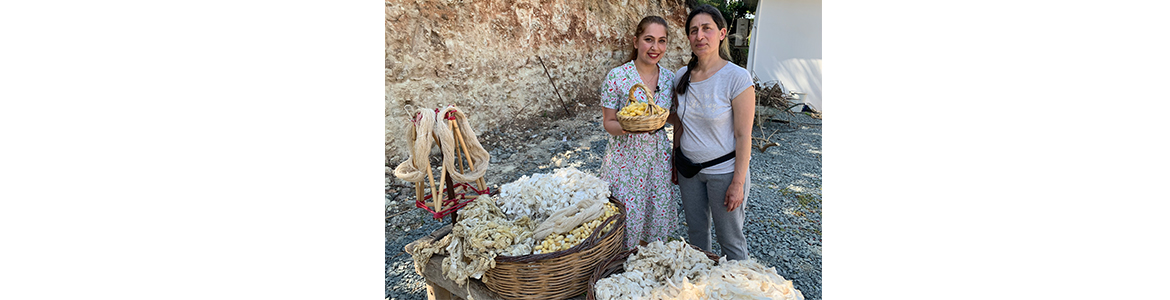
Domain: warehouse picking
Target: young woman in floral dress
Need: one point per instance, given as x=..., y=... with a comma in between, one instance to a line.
x=637, y=165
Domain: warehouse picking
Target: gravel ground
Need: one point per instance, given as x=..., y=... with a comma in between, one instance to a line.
x=784, y=208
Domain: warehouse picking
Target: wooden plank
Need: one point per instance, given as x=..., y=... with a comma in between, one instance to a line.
x=438, y=285
x=473, y=287
x=435, y=292
x=435, y=235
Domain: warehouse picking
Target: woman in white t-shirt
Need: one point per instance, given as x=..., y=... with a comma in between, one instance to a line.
x=715, y=107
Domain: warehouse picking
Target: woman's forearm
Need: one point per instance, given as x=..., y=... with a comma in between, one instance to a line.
x=613, y=127
x=743, y=158
x=678, y=131
x=610, y=123
x=676, y=124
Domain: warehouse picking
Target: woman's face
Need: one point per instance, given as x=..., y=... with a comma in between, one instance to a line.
x=651, y=45
x=704, y=35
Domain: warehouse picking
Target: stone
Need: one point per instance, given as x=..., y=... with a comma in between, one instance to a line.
x=486, y=56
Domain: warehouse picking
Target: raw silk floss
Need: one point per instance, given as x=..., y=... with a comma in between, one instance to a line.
x=675, y=271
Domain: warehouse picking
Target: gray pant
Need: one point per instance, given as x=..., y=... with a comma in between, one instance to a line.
x=702, y=201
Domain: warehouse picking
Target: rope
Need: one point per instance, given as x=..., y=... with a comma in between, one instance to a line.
x=478, y=157
x=420, y=147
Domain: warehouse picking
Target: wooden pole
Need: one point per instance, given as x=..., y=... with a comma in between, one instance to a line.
x=550, y=81
x=443, y=179
x=458, y=155
x=436, y=197
x=431, y=177
x=463, y=144
x=418, y=191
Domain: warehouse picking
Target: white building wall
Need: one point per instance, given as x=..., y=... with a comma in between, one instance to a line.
x=786, y=46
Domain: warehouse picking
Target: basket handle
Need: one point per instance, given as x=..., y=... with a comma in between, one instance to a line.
x=649, y=95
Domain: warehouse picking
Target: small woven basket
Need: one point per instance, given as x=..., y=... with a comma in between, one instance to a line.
x=643, y=123
x=616, y=264
x=562, y=274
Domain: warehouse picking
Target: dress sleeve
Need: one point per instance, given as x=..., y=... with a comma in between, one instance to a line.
x=668, y=93
x=609, y=91
x=674, y=85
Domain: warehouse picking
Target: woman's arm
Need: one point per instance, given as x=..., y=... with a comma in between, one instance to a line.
x=674, y=121
x=676, y=124
x=610, y=123
x=743, y=111
x=678, y=130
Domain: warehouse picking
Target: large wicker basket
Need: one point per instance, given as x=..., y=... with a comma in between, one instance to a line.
x=561, y=274
x=643, y=123
x=616, y=264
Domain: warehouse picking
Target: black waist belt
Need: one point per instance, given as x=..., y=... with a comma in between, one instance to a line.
x=688, y=169
x=721, y=159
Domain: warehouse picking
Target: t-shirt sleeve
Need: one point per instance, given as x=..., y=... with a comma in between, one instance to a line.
x=740, y=81
x=609, y=90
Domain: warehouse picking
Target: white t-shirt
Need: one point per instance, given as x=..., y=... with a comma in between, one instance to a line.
x=705, y=110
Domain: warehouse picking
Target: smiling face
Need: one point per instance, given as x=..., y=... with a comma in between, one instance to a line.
x=705, y=35
x=651, y=44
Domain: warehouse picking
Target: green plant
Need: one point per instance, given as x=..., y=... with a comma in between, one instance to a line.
x=807, y=201
x=731, y=10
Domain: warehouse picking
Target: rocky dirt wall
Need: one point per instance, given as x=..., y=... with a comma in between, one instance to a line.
x=482, y=56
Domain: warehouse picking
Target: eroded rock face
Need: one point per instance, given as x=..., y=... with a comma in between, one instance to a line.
x=482, y=55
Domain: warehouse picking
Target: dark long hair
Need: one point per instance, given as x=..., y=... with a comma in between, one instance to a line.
x=724, y=52
x=641, y=29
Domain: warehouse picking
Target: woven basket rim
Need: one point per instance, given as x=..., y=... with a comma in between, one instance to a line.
x=587, y=243
x=644, y=123
x=642, y=127
x=561, y=274
x=610, y=266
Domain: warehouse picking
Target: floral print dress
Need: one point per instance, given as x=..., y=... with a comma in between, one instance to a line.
x=637, y=166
